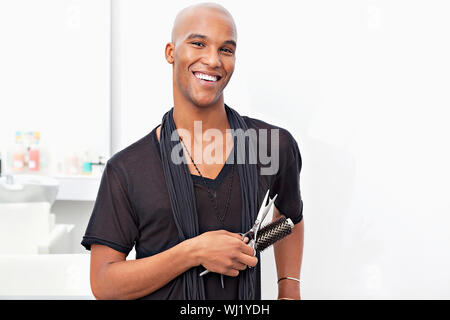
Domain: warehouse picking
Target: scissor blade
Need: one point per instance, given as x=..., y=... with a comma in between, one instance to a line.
x=267, y=209
x=263, y=206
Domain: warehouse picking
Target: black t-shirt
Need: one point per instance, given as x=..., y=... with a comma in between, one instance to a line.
x=133, y=209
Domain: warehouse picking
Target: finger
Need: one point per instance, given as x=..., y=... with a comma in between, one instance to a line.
x=239, y=266
x=234, y=235
x=237, y=236
x=232, y=273
x=248, y=260
x=248, y=250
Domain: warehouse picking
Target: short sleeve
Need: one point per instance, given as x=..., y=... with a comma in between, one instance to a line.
x=112, y=221
x=287, y=184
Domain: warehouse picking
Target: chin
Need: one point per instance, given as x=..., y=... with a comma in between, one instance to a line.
x=204, y=102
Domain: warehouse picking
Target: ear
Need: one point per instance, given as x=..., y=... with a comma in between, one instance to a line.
x=170, y=52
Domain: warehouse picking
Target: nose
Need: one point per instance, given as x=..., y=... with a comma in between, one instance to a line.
x=212, y=59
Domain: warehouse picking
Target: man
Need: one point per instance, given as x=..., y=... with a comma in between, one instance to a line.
x=141, y=202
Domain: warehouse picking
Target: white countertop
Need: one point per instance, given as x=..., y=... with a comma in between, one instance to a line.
x=45, y=276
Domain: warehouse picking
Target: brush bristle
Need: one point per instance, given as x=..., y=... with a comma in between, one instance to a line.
x=272, y=233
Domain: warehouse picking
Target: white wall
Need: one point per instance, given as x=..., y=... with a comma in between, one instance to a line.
x=55, y=78
x=363, y=87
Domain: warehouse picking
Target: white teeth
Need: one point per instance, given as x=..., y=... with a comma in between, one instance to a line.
x=205, y=77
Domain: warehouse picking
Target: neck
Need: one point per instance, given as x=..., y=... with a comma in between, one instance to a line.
x=211, y=117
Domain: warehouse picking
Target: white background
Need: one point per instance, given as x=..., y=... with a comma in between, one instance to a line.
x=364, y=88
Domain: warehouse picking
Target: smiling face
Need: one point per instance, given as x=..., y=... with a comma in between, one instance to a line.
x=202, y=52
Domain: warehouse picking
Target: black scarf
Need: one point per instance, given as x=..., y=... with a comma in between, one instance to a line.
x=182, y=199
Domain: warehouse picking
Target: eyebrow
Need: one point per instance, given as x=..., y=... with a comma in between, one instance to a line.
x=201, y=36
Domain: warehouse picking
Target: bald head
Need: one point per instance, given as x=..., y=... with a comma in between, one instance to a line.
x=203, y=45
x=187, y=15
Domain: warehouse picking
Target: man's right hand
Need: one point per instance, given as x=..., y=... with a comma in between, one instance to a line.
x=224, y=252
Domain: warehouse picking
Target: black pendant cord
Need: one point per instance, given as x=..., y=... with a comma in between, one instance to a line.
x=220, y=218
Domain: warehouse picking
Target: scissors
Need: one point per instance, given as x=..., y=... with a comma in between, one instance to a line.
x=253, y=232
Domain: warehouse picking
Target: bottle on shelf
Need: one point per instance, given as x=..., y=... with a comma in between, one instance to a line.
x=18, y=154
x=34, y=153
x=27, y=141
x=86, y=164
x=72, y=164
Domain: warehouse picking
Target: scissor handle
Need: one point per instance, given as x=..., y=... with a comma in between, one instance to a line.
x=248, y=234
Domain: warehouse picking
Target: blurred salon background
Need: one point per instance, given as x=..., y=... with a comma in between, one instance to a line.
x=363, y=86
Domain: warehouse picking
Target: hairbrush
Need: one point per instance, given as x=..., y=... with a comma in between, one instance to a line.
x=273, y=232
x=262, y=238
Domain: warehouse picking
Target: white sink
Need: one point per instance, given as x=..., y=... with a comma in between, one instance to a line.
x=28, y=188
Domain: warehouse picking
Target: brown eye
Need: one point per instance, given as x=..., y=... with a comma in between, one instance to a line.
x=227, y=50
x=199, y=44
